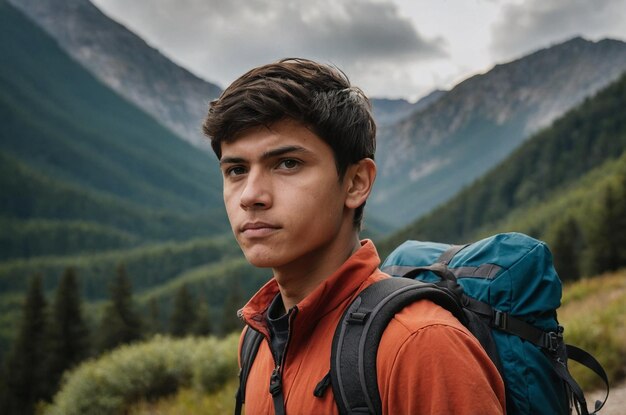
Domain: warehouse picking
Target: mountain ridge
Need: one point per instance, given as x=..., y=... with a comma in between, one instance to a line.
x=548, y=165
x=122, y=60
x=427, y=157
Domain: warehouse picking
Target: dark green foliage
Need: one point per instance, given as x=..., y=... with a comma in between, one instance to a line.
x=567, y=248
x=120, y=322
x=184, y=313
x=69, y=335
x=556, y=157
x=153, y=322
x=211, y=284
x=234, y=302
x=608, y=236
x=203, y=325
x=31, y=238
x=148, y=266
x=49, y=207
x=27, y=382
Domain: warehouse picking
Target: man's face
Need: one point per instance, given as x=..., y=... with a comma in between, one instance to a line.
x=284, y=199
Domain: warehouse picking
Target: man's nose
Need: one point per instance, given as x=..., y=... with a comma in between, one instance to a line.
x=257, y=191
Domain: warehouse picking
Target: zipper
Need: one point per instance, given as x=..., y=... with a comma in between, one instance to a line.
x=276, y=381
x=276, y=378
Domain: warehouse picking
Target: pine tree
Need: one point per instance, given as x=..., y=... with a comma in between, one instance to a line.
x=234, y=301
x=154, y=317
x=203, y=325
x=120, y=323
x=619, y=227
x=567, y=248
x=26, y=384
x=183, y=313
x=608, y=237
x=69, y=335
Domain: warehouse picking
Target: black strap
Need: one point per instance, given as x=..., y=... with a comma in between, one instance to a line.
x=249, y=348
x=440, y=267
x=587, y=360
x=441, y=270
x=558, y=359
x=447, y=256
x=552, y=344
x=507, y=323
x=355, y=344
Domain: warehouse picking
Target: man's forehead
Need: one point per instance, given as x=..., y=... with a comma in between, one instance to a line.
x=267, y=141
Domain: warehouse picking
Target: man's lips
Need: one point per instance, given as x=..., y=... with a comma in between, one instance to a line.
x=257, y=229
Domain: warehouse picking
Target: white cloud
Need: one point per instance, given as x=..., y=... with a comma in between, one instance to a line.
x=393, y=48
x=528, y=25
x=222, y=39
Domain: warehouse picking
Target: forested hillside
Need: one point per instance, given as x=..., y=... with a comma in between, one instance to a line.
x=567, y=183
x=76, y=155
x=426, y=158
x=91, y=185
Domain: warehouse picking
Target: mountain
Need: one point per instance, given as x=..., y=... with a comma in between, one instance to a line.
x=427, y=151
x=124, y=62
x=73, y=150
x=390, y=111
x=566, y=184
x=427, y=157
x=91, y=181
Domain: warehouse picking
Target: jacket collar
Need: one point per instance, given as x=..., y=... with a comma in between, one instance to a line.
x=343, y=284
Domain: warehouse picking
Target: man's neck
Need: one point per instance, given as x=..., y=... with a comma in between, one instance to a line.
x=295, y=283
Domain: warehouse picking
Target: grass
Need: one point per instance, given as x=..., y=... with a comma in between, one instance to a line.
x=191, y=402
x=594, y=316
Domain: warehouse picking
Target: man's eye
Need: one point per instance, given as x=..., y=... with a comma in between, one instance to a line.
x=288, y=164
x=235, y=171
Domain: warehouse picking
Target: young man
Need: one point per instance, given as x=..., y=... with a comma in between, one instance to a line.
x=296, y=147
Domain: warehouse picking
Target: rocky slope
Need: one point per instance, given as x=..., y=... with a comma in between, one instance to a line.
x=427, y=157
x=391, y=111
x=123, y=61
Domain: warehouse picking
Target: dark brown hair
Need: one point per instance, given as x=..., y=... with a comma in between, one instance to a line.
x=317, y=95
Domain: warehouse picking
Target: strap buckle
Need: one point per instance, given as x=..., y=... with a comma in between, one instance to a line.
x=357, y=317
x=554, y=339
x=500, y=319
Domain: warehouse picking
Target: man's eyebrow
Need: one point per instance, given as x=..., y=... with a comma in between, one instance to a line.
x=280, y=151
x=277, y=152
x=232, y=160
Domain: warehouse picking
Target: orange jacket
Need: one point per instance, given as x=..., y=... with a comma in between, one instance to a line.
x=428, y=362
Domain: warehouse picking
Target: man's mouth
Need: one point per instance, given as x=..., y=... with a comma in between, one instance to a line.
x=257, y=229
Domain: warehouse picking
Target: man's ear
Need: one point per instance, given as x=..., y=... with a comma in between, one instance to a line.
x=359, y=180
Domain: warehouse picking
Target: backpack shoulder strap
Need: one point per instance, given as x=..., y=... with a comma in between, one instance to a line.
x=447, y=255
x=356, y=339
x=249, y=348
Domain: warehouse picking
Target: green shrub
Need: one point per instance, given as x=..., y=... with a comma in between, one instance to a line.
x=146, y=371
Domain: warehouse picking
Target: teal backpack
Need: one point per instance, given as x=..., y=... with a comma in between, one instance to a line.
x=509, y=282
x=503, y=288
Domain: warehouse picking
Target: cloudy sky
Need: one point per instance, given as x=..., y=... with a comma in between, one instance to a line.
x=390, y=48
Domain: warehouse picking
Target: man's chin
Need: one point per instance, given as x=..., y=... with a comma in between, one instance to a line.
x=260, y=261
